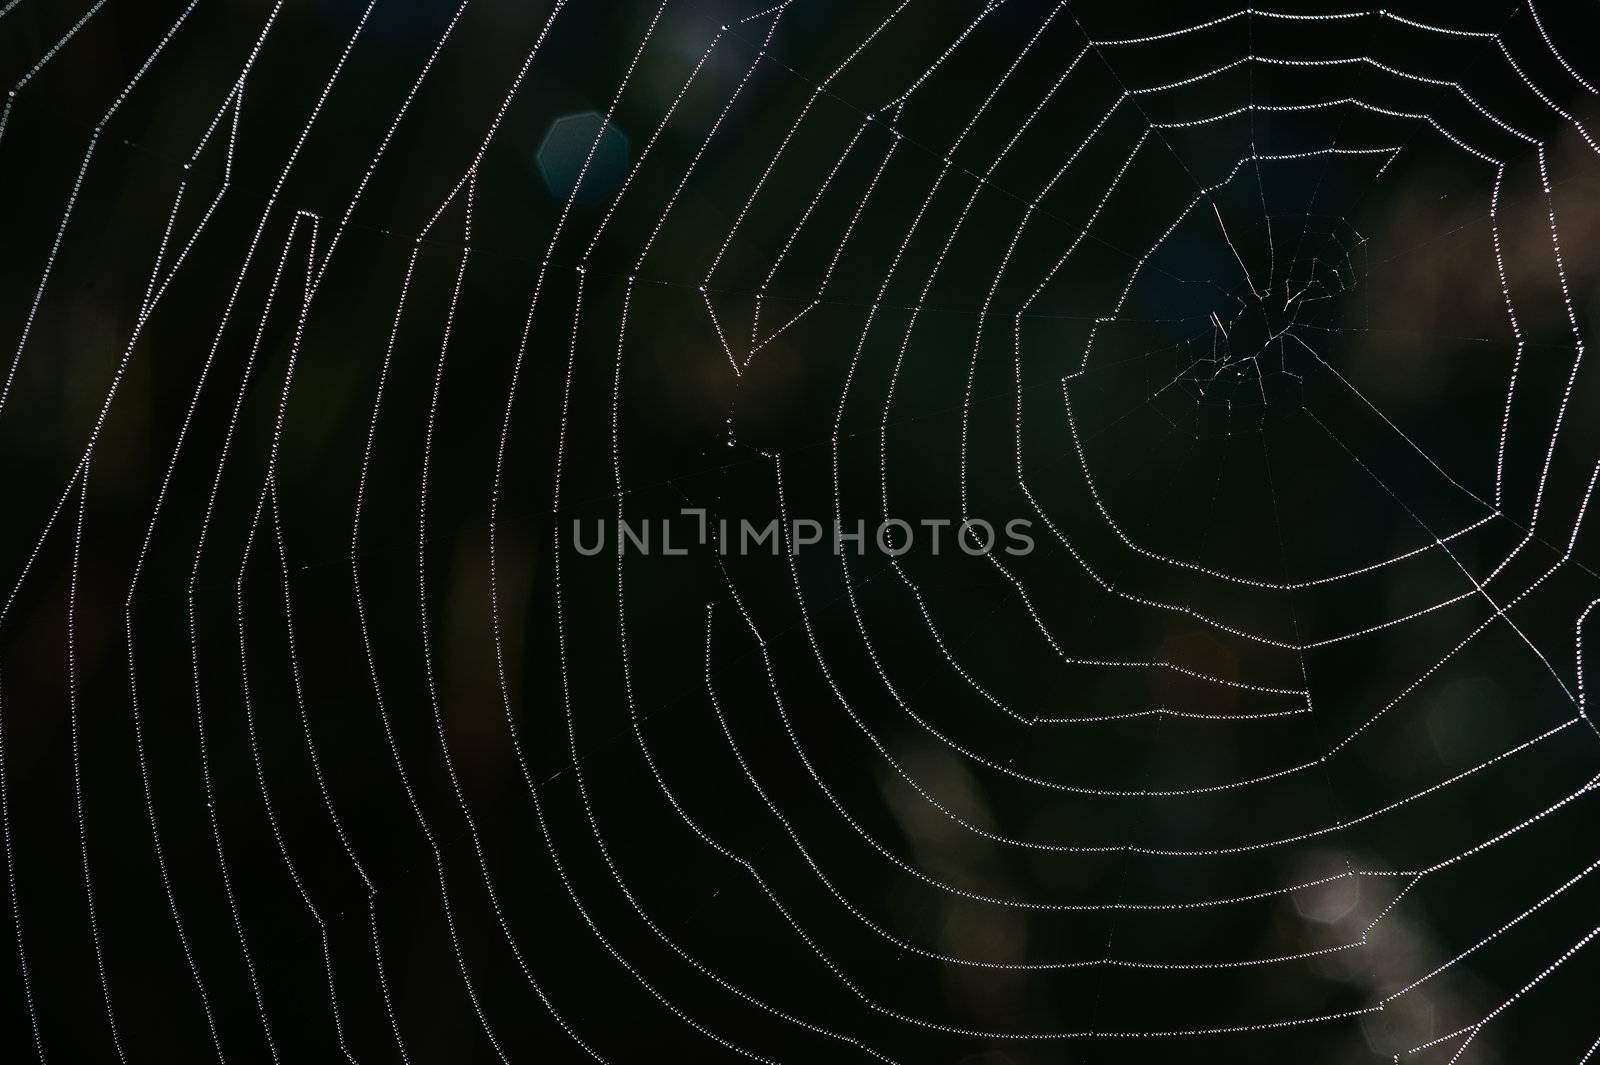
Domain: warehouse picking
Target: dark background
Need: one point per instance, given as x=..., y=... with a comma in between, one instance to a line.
x=514, y=784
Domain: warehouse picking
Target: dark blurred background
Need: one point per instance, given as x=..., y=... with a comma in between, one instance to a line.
x=321, y=741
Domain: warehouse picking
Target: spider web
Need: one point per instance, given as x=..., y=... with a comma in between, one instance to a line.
x=318, y=738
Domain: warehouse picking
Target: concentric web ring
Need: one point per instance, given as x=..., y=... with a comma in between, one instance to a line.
x=342, y=329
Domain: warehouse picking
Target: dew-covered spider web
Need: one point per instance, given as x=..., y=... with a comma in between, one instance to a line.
x=328, y=326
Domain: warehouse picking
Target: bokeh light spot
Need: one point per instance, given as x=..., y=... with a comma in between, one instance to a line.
x=565, y=146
